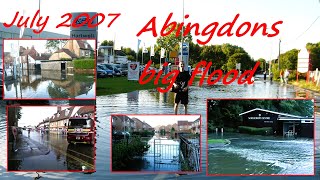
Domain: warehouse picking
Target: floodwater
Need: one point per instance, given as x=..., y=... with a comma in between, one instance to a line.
x=50, y=85
x=247, y=154
x=163, y=155
x=60, y=155
x=152, y=102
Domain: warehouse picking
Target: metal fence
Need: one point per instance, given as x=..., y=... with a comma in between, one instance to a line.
x=190, y=150
x=163, y=154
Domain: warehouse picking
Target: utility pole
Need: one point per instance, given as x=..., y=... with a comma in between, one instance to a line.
x=279, y=55
x=182, y=34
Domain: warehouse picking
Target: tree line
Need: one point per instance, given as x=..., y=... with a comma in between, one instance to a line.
x=224, y=56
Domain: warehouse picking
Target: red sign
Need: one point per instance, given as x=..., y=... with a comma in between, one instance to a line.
x=176, y=61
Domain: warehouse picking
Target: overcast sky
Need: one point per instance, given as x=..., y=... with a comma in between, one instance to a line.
x=33, y=115
x=156, y=120
x=300, y=23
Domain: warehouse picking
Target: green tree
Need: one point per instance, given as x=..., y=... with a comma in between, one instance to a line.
x=54, y=45
x=243, y=58
x=263, y=65
x=194, y=53
x=107, y=43
x=289, y=59
x=171, y=42
x=314, y=50
x=214, y=54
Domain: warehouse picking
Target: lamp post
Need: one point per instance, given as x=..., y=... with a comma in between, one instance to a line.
x=182, y=32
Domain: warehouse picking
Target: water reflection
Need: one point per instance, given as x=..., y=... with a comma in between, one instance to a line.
x=50, y=84
x=152, y=102
x=163, y=155
x=50, y=152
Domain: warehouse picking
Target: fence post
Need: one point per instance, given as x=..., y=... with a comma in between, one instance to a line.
x=154, y=154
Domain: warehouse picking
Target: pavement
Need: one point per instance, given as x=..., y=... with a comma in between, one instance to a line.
x=26, y=147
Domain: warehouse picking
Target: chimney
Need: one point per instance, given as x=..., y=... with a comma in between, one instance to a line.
x=58, y=109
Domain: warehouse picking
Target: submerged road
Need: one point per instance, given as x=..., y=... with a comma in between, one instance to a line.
x=50, y=152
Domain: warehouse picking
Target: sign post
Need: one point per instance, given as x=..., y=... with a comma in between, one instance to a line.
x=133, y=71
x=303, y=63
x=185, y=55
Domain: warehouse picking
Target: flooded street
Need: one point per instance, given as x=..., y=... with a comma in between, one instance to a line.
x=50, y=152
x=152, y=102
x=248, y=154
x=50, y=84
x=163, y=155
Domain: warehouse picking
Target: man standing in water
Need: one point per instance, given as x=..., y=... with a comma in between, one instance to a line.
x=180, y=87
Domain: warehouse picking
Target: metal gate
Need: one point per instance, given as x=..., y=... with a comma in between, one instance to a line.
x=163, y=155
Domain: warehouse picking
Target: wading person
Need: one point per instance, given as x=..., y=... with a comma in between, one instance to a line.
x=286, y=76
x=180, y=88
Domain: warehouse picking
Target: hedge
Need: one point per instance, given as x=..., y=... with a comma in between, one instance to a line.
x=256, y=131
x=122, y=152
x=143, y=133
x=84, y=63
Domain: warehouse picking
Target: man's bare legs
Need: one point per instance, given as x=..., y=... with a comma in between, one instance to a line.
x=176, y=106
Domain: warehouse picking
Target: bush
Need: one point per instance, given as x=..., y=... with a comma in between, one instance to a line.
x=256, y=131
x=122, y=152
x=292, y=75
x=84, y=63
x=144, y=133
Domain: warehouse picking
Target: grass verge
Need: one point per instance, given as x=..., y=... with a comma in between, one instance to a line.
x=305, y=85
x=116, y=85
x=217, y=141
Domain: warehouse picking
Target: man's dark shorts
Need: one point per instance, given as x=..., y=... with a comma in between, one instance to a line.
x=181, y=97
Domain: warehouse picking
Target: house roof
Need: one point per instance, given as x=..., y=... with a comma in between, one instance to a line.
x=42, y=56
x=85, y=110
x=184, y=123
x=67, y=51
x=30, y=52
x=136, y=119
x=274, y=112
x=64, y=114
x=120, y=117
x=84, y=45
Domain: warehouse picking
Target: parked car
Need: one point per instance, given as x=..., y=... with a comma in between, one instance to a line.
x=123, y=68
x=107, y=71
x=101, y=73
x=116, y=71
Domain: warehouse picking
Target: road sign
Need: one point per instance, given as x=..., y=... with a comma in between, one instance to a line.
x=303, y=61
x=83, y=31
x=185, y=49
x=81, y=19
x=84, y=34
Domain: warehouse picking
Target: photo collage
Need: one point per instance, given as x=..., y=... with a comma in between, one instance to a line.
x=189, y=90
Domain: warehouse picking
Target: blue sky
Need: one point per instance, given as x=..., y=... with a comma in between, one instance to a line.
x=297, y=16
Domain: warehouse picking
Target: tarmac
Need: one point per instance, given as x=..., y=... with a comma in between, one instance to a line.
x=26, y=147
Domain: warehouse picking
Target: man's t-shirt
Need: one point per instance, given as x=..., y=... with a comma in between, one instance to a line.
x=183, y=79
